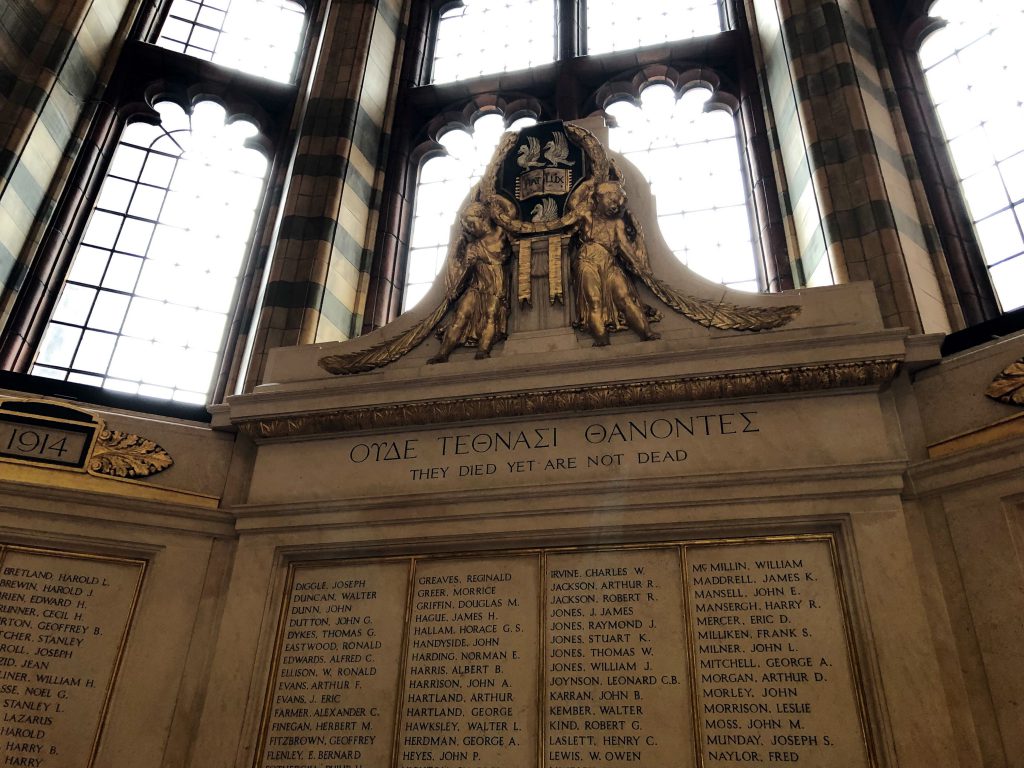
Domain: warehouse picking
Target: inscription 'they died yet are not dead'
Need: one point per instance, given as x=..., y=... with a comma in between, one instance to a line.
x=566, y=448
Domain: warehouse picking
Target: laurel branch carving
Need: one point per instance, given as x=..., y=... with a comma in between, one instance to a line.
x=122, y=454
x=770, y=381
x=1008, y=386
x=388, y=350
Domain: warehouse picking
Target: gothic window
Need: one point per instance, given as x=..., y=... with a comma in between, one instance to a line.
x=260, y=37
x=480, y=37
x=443, y=182
x=975, y=77
x=144, y=295
x=618, y=25
x=687, y=146
x=691, y=157
x=146, y=301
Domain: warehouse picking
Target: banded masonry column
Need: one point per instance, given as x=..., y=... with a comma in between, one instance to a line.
x=54, y=55
x=848, y=167
x=316, y=287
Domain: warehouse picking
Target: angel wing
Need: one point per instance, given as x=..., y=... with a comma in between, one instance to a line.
x=389, y=350
x=706, y=312
x=556, y=151
x=529, y=153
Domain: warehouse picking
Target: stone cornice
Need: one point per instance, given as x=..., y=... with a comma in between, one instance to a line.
x=540, y=402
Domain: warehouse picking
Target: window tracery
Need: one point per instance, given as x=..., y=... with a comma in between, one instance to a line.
x=444, y=180
x=260, y=37
x=138, y=284
x=617, y=25
x=482, y=37
x=607, y=29
x=692, y=158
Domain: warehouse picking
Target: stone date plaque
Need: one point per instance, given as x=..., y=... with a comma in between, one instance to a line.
x=333, y=690
x=772, y=672
x=64, y=619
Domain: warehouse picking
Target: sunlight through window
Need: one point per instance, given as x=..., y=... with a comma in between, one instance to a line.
x=260, y=37
x=146, y=301
x=692, y=160
x=621, y=25
x=975, y=76
x=444, y=183
x=487, y=36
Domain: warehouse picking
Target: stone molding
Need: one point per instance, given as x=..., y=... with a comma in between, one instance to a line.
x=667, y=391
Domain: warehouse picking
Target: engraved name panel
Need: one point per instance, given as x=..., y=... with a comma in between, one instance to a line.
x=332, y=697
x=64, y=619
x=471, y=669
x=733, y=652
x=615, y=659
x=771, y=665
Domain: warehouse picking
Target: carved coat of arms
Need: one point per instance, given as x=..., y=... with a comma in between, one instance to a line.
x=549, y=188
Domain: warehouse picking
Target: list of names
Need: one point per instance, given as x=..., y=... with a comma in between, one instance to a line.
x=471, y=683
x=770, y=662
x=607, y=658
x=615, y=659
x=63, y=622
x=332, y=697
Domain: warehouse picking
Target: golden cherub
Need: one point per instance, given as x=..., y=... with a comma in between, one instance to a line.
x=605, y=297
x=482, y=313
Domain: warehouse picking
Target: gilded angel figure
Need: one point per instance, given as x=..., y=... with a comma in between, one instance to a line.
x=606, y=298
x=481, y=316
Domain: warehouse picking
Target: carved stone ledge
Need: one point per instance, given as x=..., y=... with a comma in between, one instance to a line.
x=55, y=435
x=770, y=381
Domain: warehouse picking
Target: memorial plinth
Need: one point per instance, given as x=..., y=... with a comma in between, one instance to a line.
x=595, y=511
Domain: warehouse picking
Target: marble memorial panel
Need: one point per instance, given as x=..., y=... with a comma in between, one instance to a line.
x=735, y=652
x=64, y=620
x=471, y=669
x=615, y=659
x=772, y=671
x=333, y=691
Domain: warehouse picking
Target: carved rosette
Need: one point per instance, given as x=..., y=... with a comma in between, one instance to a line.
x=1008, y=386
x=122, y=454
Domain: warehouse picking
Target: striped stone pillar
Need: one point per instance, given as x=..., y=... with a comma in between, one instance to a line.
x=52, y=56
x=857, y=210
x=320, y=260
